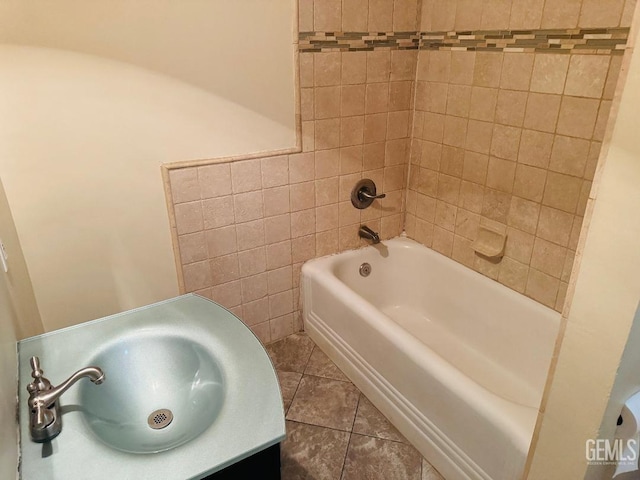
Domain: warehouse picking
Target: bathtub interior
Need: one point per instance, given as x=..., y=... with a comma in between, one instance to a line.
x=495, y=336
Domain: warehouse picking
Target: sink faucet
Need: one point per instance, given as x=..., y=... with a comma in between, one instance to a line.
x=366, y=232
x=45, y=418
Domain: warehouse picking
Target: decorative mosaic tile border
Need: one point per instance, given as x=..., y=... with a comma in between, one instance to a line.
x=586, y=40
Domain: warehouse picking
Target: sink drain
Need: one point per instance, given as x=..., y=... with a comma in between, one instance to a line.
x=160, y=418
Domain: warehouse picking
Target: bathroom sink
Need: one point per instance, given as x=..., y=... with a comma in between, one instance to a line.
x=188, y=391
x=162, y=391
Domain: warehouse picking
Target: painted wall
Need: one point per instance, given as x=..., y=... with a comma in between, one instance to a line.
x=18, y=318
x=606, y=294
x=93, y=105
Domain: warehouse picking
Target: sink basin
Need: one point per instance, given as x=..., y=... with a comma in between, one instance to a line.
x=188, y=391
x=160, y=391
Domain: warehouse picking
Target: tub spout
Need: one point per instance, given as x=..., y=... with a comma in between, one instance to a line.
x=368, y=234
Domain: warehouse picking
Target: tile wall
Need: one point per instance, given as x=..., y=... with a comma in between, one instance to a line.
x=455, y=139
x=244, y=228
x=510, y=137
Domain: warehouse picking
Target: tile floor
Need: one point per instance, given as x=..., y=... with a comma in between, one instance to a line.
x=333, y=431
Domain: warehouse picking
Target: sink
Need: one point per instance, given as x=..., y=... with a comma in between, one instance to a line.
x=188, y=391
x=161, y=391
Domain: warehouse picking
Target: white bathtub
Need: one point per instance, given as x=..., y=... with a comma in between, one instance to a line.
x=455, y=360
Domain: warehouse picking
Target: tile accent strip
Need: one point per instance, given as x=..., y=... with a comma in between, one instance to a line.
x=585, y=40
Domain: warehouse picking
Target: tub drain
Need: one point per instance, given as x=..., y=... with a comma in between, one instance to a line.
x=160, y=419
x=365, y=269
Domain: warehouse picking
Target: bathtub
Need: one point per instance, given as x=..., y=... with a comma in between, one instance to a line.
x=456, y=361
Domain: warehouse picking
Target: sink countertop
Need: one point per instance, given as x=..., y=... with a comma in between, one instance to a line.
x=250, y=420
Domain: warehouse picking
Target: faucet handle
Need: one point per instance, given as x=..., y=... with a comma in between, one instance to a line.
x=40, y=383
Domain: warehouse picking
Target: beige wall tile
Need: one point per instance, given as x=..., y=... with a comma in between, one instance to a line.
x=555, y=226
x=327, y=102
x=380, y=15
x=281, y=327
x=347, y=214
x=352, y=100
x=303, y=223
x=373, y=156
x=535, y=148
x=327, y=217
x=483, y=103
x=307, y=99
x=458, y=100
x=303, y=248
x=196, y=276
x=396, y=152
x=462, y=251
x=246, y=176
x=403, y=64
x=303, y=196
x=327, y=242
x=398, y=125
x=279, y=255
x=475, y=167
x=326, y=69
x=561, y=14
x=215, y=180
x=519, y=245
x=602, y=121
x=455, y=131
x=448, y=189
x=350, y=160
x=467, y=224
x=523, y=214
x=276, y=201
x=275, y=171
x=462, y=66
x=255, y=312
x=542, y=112
x=496, y=205
x=279, y=280
x=569, y=155
x=250, y=235
x=327, y=163
x=612, y=77
x=471, y=196
x=592, y=160
x=577, y=117
x=280, y=304
x=305, y=15
x=600, y=13
x=488, y=68
x=517, y=68
x=224, y=269
x=228, y=294
x=627, y=13
x=400, y=96
x=562, y=192
x=587, y=75
x=378, y=66
x=433, y=127
x=263, y=332
x=529, y=182
x=443, y=16
x=452, y=161
x=511, y=107
x=375, y=128
x=506, y=142
x=500, y=174
x=405, y=15
x=549, y=72
x=184, y=185
x=306, y=70
x=495, y=14
x=327, y=191
x=513, y=274
x=548, y=257
x=431, y=155
x=354, y=68
x=327, y=134
x=442, y=241
x=436, y=97
x=479, y=136
x=468, y=14
x=439, y=66
x=301, y=167
x=252, y=262
x=218, y=212
x=354, y=15
x=445, y=215
x=526, y=14
x=352, y=131
x=193, y=247
x=424, y=232
x=327, y=15
x=348, y=237
x=221, y=241
x=426, y=208
x=277, y=229
x=188, y=217
x=308, y=136
x=377, y=98
x=248, y=206
x=488, y=267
